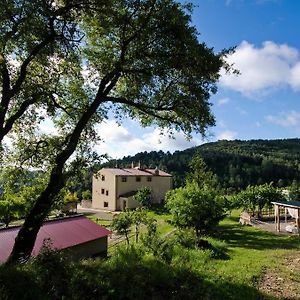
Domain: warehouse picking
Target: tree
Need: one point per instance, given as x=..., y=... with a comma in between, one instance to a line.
x=138, y=217
x=195, y=207
x=254, y=198
x=199, y=173
x=141, y=59
x=122, y=224
x=12, y=207
x=294, y=191
x=143, y=196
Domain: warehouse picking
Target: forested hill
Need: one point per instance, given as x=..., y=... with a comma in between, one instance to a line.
x=236, y=163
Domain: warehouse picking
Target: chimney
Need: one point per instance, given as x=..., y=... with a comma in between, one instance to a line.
x=132, y=166
x=156, y=171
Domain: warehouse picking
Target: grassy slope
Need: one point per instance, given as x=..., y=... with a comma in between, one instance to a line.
x=250, y=254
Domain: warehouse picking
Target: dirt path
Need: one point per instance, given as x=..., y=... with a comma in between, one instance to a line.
x=284, y=281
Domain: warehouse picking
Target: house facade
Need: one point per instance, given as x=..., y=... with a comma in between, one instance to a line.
x=114, y=188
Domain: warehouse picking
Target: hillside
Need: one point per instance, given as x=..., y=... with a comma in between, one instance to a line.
x=236, y=163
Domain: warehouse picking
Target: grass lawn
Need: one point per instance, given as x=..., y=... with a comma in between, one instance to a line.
x=251, y=255
x=256, y=264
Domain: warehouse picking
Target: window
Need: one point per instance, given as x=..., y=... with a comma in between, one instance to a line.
x=103, y=178
x=124, y=179
x=149, y=179
x=106, y=193
x=105, y=204
x=138, y=179
x=102, y=191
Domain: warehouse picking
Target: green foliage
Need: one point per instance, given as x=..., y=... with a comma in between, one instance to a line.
x=294, y=191
x=255, y=198
x=86, y=195
x=12, y=207
x=199, y=173
x=138, y=217
x=236, y=164
x=189, y=274
x=121, y=223
x=143, y=196
x=193, y=207
x=77, y=62
x=70, y=197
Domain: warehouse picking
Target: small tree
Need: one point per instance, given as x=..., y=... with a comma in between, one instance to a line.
x=200, y=173
x=12, y=207
x=138, y=217
x=255, y=198
x=193, y=207
x=122, y=223
x=143, y=196
x=86, y=195
x=294, y=191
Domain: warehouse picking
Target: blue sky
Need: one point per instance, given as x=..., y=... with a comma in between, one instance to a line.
x=262, y=103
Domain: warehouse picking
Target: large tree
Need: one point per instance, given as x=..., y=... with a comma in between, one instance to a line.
x=133, y=58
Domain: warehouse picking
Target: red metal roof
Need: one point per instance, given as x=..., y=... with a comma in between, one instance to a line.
x=63, y=233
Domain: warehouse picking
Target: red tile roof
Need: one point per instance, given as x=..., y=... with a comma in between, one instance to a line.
x=63, y=233
x=136, y=172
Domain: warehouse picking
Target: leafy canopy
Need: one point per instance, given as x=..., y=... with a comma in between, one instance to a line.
x=195, y=207
x=74, y=62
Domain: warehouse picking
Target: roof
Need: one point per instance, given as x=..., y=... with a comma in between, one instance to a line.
x=136, y=172
x=63, y=233
x=292, y=204
x=128, y=194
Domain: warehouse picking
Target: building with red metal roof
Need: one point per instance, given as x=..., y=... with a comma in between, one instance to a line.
x=77, y=234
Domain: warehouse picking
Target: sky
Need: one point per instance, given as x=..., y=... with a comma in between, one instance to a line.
x=261, y=103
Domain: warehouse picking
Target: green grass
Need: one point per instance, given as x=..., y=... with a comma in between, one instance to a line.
x=249, y=253
x=102, y=222
x=246, y=254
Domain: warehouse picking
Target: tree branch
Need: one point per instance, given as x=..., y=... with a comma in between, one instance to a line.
x=12, y=119
x=23, y=70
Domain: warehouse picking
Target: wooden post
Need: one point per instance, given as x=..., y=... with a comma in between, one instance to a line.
x=277, y=214
x=298, y=220
x=285, y=214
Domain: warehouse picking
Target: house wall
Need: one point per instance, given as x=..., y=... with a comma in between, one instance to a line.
x=108, y=184
x=159, y=186
x=92, y=248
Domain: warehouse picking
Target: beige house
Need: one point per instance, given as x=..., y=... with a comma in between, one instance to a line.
x=114, y=188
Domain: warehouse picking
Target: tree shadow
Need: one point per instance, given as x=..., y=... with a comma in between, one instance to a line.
x=236, y=235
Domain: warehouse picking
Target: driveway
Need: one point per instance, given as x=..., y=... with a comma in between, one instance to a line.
x=95, y=212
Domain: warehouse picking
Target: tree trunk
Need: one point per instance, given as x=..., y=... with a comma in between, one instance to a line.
x=136, y=233
x=26, y=237
x=126, y=235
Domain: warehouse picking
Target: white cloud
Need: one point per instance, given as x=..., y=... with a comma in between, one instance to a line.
x=227, y=135
x=47, y=127
x=117, y=141
x=111, y=131
x=284, y=119
x=263, y=69
x=222, y=101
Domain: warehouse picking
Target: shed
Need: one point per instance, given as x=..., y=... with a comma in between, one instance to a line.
x=288, y=205
x=80, y=236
